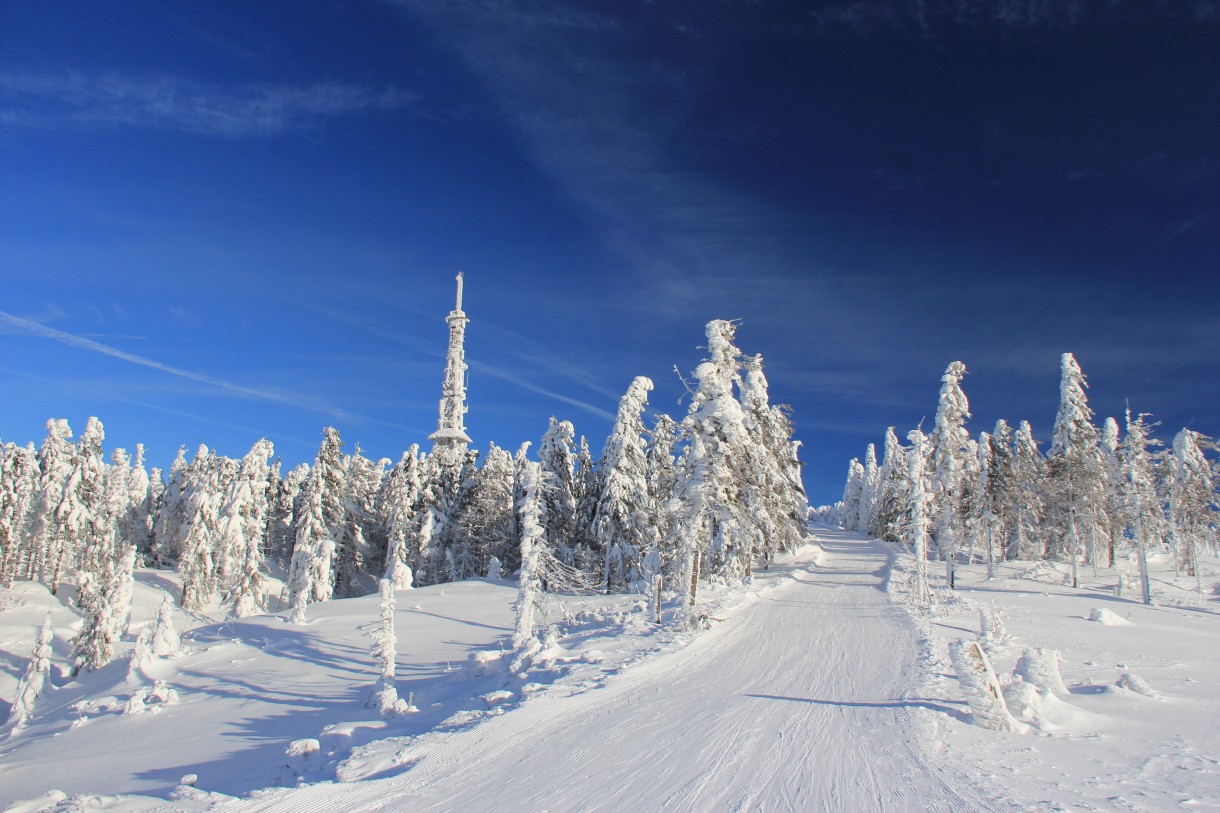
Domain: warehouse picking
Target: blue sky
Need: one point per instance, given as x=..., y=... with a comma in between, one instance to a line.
x=232, y=220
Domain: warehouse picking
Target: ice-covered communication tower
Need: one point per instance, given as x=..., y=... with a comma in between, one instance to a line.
x=450, y=440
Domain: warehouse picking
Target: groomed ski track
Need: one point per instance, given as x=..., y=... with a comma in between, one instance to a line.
x=796, y=703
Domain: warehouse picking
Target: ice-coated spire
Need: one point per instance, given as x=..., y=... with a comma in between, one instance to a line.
x=450, y=440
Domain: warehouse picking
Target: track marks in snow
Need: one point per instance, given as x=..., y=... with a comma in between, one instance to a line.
x=795, y=703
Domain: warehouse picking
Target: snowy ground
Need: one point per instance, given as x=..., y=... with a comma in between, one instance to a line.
x=813, y=689
x=1102, y=747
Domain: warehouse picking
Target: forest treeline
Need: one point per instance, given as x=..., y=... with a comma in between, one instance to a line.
x=675, y=503
x=1097, y=497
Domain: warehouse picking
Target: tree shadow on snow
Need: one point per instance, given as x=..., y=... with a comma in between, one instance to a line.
x=463, y=621
x=910, y=703
x=160, y=582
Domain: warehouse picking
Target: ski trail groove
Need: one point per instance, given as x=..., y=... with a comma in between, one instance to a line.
x=793, y=704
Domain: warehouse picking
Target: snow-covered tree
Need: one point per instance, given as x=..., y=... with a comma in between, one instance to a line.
x=532, y=514
x=952, y=456
x=55, y=462
x=1075, y=486
x=93, y=645
x=1144, y=517
x=167, y=530
x=361, y=536
x=982, y=689
x=586, y=490
x=18, y=495
x=1192, y=496
x=623, y=520
x=870, y=489
x=853, y=496
x=662, y=479
x=774, y=493
x=920, y=520
x=980, y=517
x=165, y=641
x=242, y=524
x=1026, y=540
x=488, y=524
x=1113, y=478
x=285, y=495
x=311, y=571
x=384, y=649
x=397, y=505
x=86, y=534
x=1001, y=492
x=200, y=552
x=712, y=522
x=33, y=684
x=893, y=494
x=557, y=456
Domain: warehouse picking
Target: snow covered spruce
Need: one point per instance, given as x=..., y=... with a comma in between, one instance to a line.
x=672, y=505
x=1094, y=499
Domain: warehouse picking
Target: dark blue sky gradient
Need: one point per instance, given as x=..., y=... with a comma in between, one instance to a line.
x=254, y=212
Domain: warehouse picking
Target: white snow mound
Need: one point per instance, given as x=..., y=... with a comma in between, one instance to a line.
x=1108, y=617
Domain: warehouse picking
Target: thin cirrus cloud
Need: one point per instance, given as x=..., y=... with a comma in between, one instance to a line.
x=81, y=343
x=75, y=100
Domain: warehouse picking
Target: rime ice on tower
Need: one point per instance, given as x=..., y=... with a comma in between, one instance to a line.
x=450, y=440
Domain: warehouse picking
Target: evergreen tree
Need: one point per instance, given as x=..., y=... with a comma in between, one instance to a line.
x=893, y=497
x=623, y=522
x=715, y=533
x=384, y=649
x=920, y=521
x=165, y=642
x=774, y=490
x=281, y=520
x=55, y=464
x=103, y=596
x=532, y=513
x=140, y=504
x=1076, y=493
x=1002, y=491
x=18, y=494
x=1143, y=516
x=853, y=495
x=361, y=535
x=200, y=550
x=398, y=503
x=82, y=515
x=870, y=488
x=33, y=684
x=587, y=485
x=1192, y=496
x=1111, y=469
x=311, y=574
x=489, y=529
x=1029, y=466
x=951, y=457
x=557, y=457
x=242, y=524
x=167, y=530
x=662, y=478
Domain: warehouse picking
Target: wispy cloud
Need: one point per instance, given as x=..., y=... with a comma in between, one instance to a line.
x=526, y=384
x=537, y=360
x=296, y=400
x=76, y=386
x=75, y=100
x=926, y=16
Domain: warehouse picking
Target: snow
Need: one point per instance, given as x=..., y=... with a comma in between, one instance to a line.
x=815, y=686
x=1104, y=745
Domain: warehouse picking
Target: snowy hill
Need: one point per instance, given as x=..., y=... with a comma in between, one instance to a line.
x=814, y=688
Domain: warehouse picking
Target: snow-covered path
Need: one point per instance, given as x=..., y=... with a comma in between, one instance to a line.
x=795, y=703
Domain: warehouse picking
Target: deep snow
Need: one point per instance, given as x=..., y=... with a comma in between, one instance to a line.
x=812, y=689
